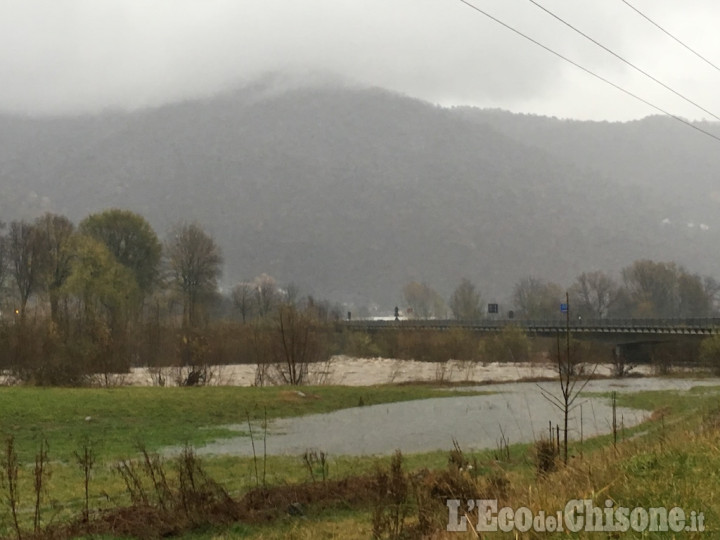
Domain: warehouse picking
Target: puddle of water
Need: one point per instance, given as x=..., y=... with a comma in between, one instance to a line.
x=518, y=410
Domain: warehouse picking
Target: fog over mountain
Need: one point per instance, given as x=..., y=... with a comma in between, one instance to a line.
x=351, y=193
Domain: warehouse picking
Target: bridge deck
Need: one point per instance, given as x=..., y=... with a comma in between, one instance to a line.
x=694, y=327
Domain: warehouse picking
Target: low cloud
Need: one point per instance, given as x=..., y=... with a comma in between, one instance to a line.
x=84, y=55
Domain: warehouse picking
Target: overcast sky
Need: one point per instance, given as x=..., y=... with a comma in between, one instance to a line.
x=63, y=56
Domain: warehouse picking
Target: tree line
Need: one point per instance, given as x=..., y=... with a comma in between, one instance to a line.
x=104, y=270
x=645, y=289
x=78, y=302
x=108, y=294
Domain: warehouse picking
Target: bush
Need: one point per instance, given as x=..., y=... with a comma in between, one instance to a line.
x=709, y=354
x=36, y=353
x=665, y=356
x=437, y=345
x=510, y=345
x=546, y=454
x=392, y=506
x=357, y=345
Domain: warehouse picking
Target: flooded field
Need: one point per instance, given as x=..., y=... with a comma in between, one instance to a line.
x=517, y=410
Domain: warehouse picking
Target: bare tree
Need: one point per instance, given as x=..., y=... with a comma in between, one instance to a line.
x=298, y=343
x=194, y=261
x=572, y=381
x=3, y=258
x=694, y=299
x=652, y=286
x=466, y=302
x=27, y=254
x=537, y=299
x=712, y=289
x=243, y=295
x=267, y=294
x=292, y=293
x=662, y=289
x=424, y=301
x=56, y=232
x=322, y=310
x=594, y=294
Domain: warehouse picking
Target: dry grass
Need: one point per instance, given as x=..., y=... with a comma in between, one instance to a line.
x=675, y=466
x=675, y=463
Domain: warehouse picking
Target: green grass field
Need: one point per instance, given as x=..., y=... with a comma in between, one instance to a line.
x=673, y=459
x=115, y=420
x=682, y=440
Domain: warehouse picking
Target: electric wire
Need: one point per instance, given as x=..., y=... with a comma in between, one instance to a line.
x=656, y=25
x=624, y=60
x=589, y=72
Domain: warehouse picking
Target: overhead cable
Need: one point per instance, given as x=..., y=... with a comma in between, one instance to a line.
x=627, y=62
x=656, y=25
x=589, y=72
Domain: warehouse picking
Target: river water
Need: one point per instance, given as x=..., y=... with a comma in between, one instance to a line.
x=517, y=411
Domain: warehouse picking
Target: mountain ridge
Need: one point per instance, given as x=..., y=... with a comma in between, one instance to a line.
x=351, y=193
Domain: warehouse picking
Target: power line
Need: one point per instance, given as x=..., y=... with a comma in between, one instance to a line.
x=589, y=72
x=656, y=25
x=636, y=68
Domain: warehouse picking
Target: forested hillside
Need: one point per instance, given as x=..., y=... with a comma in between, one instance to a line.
x=352, y=193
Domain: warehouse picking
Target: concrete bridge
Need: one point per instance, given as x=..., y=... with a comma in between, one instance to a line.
x=616, y=330
x=635, y=340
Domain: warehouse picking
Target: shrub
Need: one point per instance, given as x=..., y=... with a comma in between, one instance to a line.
x=510, y=345
x=710, y=353
x=391, y=507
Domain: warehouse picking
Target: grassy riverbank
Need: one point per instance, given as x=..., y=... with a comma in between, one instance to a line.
x=115, y=420
x=670, y=460
x=113, y=423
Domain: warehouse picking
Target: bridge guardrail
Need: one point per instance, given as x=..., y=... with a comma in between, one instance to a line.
x=680, y=325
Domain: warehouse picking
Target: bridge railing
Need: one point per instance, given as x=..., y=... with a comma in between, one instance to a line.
x=545, y=325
